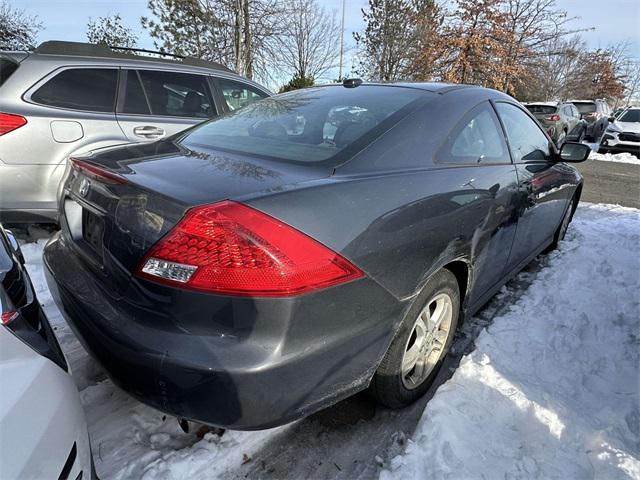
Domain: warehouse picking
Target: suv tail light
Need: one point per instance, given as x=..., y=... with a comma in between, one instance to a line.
x=97, y=172
x=554, y=118
x=10, y=122
x=230, y=248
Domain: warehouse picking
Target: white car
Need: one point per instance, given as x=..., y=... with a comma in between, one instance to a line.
x=43, y=433
x=622, y=133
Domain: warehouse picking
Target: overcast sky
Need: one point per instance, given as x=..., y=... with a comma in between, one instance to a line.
x=613, y=20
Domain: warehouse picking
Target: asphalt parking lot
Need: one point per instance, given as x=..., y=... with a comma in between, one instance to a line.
x=611, y=182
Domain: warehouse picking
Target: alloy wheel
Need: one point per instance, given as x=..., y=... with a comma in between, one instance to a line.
x=426, y=344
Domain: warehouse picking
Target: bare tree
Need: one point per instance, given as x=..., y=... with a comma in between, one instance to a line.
x=110, y=31
x=238, y=33
x=18, y=30
x=547, y=78
x=310, y=44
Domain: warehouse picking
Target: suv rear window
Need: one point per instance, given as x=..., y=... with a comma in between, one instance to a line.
x=309, y=125
x=585, y=107
x=90, y=89
x=7, y=67
x=544, y=109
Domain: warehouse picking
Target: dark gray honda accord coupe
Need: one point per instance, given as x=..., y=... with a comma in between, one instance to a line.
x=273, y=261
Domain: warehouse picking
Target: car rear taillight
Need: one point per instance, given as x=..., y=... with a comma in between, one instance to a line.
x=97, y=172
x=554, y=118
x=7, y=317
x=10, y=122
x=230, y=248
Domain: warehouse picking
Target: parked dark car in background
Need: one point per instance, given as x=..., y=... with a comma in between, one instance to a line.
x=622, y=133
x=270, y=262
x=596, y=113
x=65, y=98
x=560, y=119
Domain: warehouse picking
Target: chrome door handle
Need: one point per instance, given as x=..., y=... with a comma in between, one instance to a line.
x=148, y=131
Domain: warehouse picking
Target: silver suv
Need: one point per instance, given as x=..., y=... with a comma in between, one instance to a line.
x=66, y=98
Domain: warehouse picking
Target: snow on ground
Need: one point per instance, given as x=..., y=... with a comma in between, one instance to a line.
x=552, y=388
x=550, y=391
x=623, y=157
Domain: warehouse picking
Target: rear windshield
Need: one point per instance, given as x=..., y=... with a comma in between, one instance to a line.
x=7, y=67
x=630, y=116
x=585, y=107
x=544, y=109
x=310, y=125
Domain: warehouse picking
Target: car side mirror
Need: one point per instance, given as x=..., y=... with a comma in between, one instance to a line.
x=612, y=119
x=574, y=152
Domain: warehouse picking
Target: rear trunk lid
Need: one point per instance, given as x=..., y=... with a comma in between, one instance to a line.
x=114, y=223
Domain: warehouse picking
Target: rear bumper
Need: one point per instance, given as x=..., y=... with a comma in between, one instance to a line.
x=238, y=363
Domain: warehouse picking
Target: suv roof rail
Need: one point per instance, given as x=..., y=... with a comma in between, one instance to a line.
x=58, y=47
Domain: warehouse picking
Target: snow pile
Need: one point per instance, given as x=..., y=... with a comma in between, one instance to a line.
x=623, y=157
x=553, y=387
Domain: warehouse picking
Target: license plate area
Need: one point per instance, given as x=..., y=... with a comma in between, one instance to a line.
x=92, y=231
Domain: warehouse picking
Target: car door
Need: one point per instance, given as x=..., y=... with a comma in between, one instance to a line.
x=544, y=185
x=486, y=197
x=153, y=104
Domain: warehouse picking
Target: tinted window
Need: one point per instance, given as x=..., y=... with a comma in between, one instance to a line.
x=238, y=95
x=177, y=94
x=544, y=109
x=477, y=139
x=7, y=67
x=585, y=107
x=630, y=116
x=92, y=89
x=309, y=125
x=526, y=140
x=135, y=101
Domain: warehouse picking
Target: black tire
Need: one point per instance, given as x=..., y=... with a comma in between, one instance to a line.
x=388, y=386
x=564, y=225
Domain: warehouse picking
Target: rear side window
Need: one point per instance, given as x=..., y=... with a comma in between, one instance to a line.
x=135, y=100
x=477, y=139
x=526, y=140
x=238, y=95
x=174, y=94
x=90, y=89
x=7, y=67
